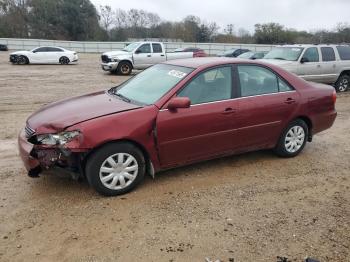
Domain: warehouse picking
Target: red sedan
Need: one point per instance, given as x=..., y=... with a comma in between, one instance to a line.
x=174, y=114
x=197, y=52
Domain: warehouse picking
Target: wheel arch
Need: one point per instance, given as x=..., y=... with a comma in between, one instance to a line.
x=127, y=61
x=26, y=57
x=345, y=72
x=309, y=124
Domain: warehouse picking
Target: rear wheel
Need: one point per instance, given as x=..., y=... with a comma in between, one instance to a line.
x=124, y=68
x=115, y=169
x=342, y=85
x=64, y=60
x=22, y=60
x=293, y=139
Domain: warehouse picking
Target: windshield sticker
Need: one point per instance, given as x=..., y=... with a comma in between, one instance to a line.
x=177, y=74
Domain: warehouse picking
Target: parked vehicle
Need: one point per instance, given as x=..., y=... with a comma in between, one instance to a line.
x=44, y=55
x=197, y=52
x=329, y=64
x=234, y=52
x=253, y=55
x=174, y=114
x=138, y=55
x=3, y=47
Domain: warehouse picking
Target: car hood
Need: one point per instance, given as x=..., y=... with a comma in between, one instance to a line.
x=21, y=53
x=115, y=53
x=57, y=116
x=278, y=62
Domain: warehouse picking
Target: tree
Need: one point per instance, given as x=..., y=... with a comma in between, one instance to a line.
x=107, y=17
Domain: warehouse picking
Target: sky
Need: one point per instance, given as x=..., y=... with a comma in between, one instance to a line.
x=309, y=15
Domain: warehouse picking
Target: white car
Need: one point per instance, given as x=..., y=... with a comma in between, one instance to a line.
x=44, y=55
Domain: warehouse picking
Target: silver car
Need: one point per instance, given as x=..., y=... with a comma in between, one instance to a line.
x=329, y=64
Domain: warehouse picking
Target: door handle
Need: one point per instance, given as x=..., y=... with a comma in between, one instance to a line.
x=289, y=101
x=161, y=55
x=229, y=110
x=318, y=66
x=148, y=55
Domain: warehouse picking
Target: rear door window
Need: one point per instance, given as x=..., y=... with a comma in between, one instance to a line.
x=256, y=80
x=327, y=54
x=157, y=48
x=344, y=52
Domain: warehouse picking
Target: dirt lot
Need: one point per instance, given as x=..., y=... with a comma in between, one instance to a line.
x=252, y=207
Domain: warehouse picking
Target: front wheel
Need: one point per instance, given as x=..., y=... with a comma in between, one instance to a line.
x=124, y=68
x=115, y=169
x=22, y=60
x=293, y=139
x=342, y=85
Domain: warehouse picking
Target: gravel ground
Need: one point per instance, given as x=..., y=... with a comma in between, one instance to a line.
x=251, y=207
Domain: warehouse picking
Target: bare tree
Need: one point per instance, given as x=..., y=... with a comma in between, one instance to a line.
x=107, y=17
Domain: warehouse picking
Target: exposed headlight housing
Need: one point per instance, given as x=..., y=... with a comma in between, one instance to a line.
x=57, y=139
x=116, y=60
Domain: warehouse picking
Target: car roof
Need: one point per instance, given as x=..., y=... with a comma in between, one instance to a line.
x=312, y=45
x=207, y=61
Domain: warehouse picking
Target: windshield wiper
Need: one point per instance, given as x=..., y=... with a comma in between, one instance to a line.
x=279, y=58
x=124, y=98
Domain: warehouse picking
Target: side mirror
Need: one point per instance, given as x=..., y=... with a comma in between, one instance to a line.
x=179, y=102
x=138, y=52
x=304, y=60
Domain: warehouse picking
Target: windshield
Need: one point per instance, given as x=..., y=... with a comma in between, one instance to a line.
x=284, y=53
x=246, y=55
x=150, y=85
x=131, y=47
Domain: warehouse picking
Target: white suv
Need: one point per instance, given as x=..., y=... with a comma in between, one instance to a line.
x=329, y=64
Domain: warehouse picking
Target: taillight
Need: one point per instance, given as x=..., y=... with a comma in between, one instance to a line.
x=334, y=96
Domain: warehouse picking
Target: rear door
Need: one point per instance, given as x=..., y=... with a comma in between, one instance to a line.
x=329, y=65
x=266, y=104
x=158, y=54
x=143, y=56
x=310, y=65
x=206, y=128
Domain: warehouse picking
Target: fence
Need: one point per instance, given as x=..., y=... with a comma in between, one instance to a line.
x=99, y=47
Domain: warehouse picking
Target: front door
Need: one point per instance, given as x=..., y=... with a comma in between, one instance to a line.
x=206, y=128
x=142, y=56
x=310, y=67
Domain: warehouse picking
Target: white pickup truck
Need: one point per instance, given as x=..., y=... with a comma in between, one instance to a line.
x=138, y=55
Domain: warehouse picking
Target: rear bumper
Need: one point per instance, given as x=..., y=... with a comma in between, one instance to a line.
x=25, y=149
x=324, y=121
x=111, y=66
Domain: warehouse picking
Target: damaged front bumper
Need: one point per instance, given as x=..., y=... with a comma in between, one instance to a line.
x=39, y=158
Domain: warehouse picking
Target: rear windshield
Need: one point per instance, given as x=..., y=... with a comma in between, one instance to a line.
x=344, y=52
x=150, y=85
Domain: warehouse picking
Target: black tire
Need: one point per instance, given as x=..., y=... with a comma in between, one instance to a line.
x=281, y=148
x=124, y=68
x=64, y=60
x=22, y=60
x=99, y=159
x=343, y=83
